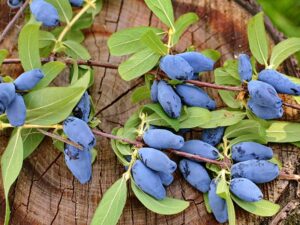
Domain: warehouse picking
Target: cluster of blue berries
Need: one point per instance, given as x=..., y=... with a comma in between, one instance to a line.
x=264, y=101
x=76, y=128
x=11, y=99
x=184, y=66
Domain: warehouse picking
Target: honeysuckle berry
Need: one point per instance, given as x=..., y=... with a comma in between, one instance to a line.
x=79, y=163
x=264, y=112
x=28, y=80
x=166, y=178
x=245, y=189
x=199, y=62
x=83, y=108
x=78, y=131
x=244, y=151
x=195, y=174
x=162, y=139
x=169, y=100
x=45, y=13
x=14, y=3
x=244, y=67
x=76, y=3
x=195, y=96
x=157, y=160
x=154, y=91
x=197, y=147
x=280, y=82
x=16, y=111
x=213, y=136
x=258, y=171
x=7, y=95
x=176, y=67
x=148, y=180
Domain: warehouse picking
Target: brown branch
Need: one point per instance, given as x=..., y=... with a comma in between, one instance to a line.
x=286, y=176
x=291, y=105
x=214, y=86
x=13, y=21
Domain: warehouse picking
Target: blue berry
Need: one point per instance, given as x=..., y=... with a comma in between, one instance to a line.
x=154, y=91
x=157, y=160
x=195, y=174
x=217, y=204
x=244, y=151
x=79, y=162
x=16, y=111
x=264, y=94
x=213, y=136
x=147, y=180
x=14, y=3
x=245, y=189
x=166, y=178
x=199, y=62
x=7, y=95
x=264, y=112
x=281, y=83
x=76, y=3
x=169, y=100
x=258, y=171
x=197, y=147
x=176, y=67
x=26, y=81
x=78, y=131
x=162, y=139
x=45, y=13
x=83, y=108
x=195, y=96
x=245, y=67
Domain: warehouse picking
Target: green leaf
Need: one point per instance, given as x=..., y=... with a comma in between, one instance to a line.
x=138, y=64
x=258, y=39
x=133, y=121
x=128, y=41
x=167, y=206
x=206, y=202
x=230, y=209
x=51, y=71
x=120, y=157
x=46, y=38
x=223, y=118
x=31, y=140
x=28, y=46
x=163, y=10
x=182, y=24
x=283, y=50
x=245, y=127
x=64, y=9
x=52, y=105
x=152, y=41
x=249, y=137
x=76, y=50
x=229, y=98
x=283, y=132
x=112, y=204
x=212, y=54
x=259, y=208
x=3, y=55
x=222, y=188
x=140, y=94
x=94, y=155
x=277, y=162
x=174, y=123
x=196, y=117
x=11, y=165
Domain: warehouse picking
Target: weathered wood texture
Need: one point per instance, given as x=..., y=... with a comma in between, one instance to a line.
x=46, y=193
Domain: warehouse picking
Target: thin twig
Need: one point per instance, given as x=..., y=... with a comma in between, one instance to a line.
x=286, y=176
x=291, y=105
x=214, y=86
x=13, y=21
x=57, y=137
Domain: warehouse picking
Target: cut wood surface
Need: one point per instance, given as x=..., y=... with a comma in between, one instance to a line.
x=46, y=192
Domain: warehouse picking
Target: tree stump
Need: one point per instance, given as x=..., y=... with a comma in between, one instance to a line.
x=47, y=193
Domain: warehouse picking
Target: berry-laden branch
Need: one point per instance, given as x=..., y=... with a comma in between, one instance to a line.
x=13, y=21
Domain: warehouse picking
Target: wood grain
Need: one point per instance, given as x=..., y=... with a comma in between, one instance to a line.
x=46, y=193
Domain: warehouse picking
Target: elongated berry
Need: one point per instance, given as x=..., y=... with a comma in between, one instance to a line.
x=166, y=178
x=195, y=96
x=79, y=163
x=176, y=67
x=195, y=174
x=198, y=61
x=154, y=91
x=26, y=81
x=78, y=131
x=264, y=112
x=76, y=3
x=245, y=189
x=217, y=204
x=258, y=171
x=281, y=83
x=157, y=160
x=168, y=99
x=14, y=3
x=244, y=151
x=16, y=111
x=7, y=95
x=148, y=180
x=83, y=108
x=45, y=13
x=200, y=148
x=213, y=136
x=162, y=139
x=245, y=67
